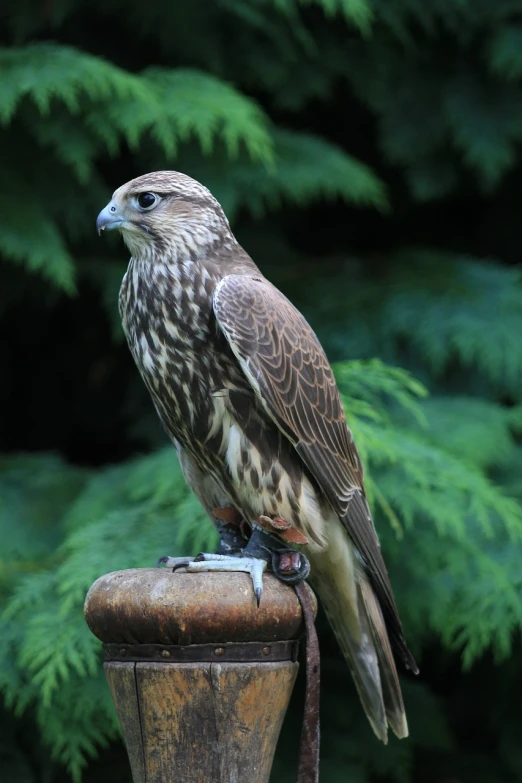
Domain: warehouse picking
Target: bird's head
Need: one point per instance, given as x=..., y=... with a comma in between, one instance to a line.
x=165, y=215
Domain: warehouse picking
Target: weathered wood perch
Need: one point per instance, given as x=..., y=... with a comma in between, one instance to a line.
x=201, y=678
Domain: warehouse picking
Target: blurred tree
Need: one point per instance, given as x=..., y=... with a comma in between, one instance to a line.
x=286, y=110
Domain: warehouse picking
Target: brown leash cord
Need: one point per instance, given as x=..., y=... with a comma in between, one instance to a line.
x=308, y=770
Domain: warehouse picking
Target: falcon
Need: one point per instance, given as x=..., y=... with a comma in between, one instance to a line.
x=246, y=394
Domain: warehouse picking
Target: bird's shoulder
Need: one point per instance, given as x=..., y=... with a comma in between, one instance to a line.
x=287, y=366
x=246, y=300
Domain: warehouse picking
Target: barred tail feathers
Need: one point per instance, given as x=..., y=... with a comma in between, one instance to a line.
x=354, y=613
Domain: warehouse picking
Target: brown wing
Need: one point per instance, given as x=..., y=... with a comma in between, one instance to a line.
x=288, y=369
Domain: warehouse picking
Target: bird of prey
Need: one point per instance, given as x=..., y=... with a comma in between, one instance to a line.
x=246, y=394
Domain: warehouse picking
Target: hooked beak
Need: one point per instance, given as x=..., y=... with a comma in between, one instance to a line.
x=109, y=218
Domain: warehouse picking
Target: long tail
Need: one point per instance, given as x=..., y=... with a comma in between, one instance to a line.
x=354, y=613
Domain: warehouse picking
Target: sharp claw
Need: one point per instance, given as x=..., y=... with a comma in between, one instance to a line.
x=258, y=567
x=183, y=564
x=174, y=562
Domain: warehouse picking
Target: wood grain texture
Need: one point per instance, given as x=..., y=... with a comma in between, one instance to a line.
x=206, y=723
x=250, y=703
x=122, y=683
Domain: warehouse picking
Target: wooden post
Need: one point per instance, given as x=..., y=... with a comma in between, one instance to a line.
x=200, y=676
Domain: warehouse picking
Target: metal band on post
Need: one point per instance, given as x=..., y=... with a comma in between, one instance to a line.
x=230, y=652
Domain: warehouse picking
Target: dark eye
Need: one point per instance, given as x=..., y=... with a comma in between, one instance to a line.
x=147, y=200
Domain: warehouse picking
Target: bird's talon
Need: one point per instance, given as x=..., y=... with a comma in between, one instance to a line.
x=174, y=562
x=258, y=566
x=183, y=564
x=254, y=566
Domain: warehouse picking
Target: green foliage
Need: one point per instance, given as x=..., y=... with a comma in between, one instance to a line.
x=368, y=156
x=118, y=518
x=75, y=107
x=505, y=52
x=306, y=168
x=124, y=517
x=444, y=307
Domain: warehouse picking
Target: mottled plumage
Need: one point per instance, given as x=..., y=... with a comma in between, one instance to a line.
x=245, y=392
